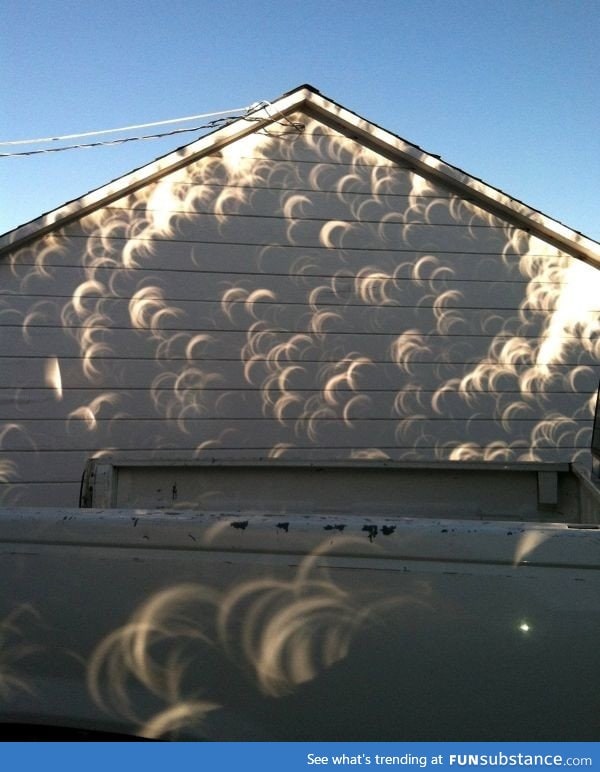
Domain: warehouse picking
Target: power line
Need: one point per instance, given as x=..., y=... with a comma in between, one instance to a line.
x=107, y=143
x=216, y=123
x=124, y=128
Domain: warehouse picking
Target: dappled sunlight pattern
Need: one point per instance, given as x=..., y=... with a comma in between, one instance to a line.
x=277, y=633
x=528, y=543
x=135, y=653
x=88, y=414
x=11, y=489
x=54, y=377
x=295, y=294
x=290, y=630
x=15, y=647
x=552, y=342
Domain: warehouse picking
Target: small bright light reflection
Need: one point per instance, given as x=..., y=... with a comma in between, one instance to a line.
x=53, y=376
x=525, y=627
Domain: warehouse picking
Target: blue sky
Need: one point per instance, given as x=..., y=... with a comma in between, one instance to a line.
x=508, y=91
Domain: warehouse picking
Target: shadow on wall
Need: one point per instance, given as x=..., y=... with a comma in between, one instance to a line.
x=294, y=294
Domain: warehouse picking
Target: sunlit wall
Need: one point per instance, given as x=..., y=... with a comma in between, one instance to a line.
x=293, y=295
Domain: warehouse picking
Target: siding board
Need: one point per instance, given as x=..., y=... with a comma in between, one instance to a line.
x=229, y=404
x=127, y=373
x=320, y=232
x=199, y=257
x=369, y=285
x=241, y=433
x=433, y=207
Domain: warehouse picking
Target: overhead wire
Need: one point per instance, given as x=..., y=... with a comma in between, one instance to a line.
x=123, y=128
x=265, y=105
x=122, y=140
x=217, y=122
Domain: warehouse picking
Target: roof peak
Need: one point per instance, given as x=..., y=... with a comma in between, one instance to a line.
x=362, y=129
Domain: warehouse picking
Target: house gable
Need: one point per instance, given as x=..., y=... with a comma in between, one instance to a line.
x=294, y=289
x=309, y=99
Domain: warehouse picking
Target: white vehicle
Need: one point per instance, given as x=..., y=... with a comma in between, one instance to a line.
x=383, y=602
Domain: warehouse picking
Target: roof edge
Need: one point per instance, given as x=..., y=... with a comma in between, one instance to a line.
x=526, y=217
x=262, y=115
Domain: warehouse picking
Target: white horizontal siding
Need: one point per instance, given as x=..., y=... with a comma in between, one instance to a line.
x=303, y=232
x=330, y=430
x=371, y=288
x=434, y=207
x=295, y=296
x=205, y=375
x=167, y=256
x=37, y=404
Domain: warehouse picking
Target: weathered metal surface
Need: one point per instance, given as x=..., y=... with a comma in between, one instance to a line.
x=207, y=627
